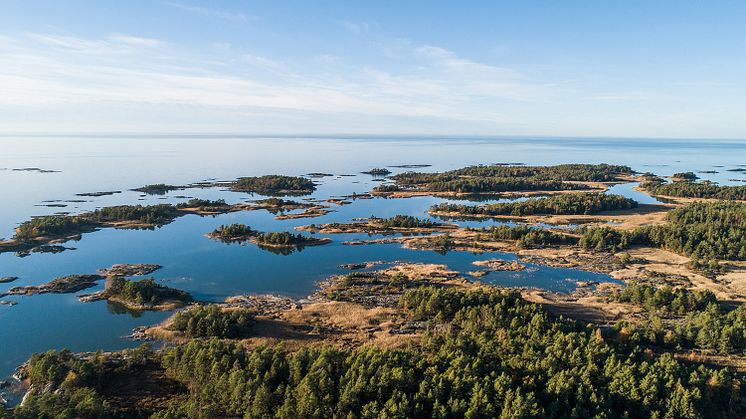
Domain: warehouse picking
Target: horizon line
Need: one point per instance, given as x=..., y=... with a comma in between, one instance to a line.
x=172, y=134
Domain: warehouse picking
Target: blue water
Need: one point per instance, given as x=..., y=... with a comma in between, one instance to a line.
x=212, y=270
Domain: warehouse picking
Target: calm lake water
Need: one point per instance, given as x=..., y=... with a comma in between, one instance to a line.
x=211, y=270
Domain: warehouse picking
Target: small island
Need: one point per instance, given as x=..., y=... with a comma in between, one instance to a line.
x=398, y=224
x=243, y=233
x=497, y=179
x=275, y=185
x=141, y=295
x=157, y=189
x=566, y=204
x=684, y=177
x=62, y=285
x=378, y=171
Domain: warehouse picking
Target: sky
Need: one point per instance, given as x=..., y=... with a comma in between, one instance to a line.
x=386, y=67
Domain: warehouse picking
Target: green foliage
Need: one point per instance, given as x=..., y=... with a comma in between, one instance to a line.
x=665, y=300
x=67, y=385
x=151, y=214
x=203, y=203
x=275, y=185
x=233, y=232
x=241, y=232
x=282, y=238
x=704, y=231
x=709, y=328
x=77, y=403
x=53, y=367
x=157, y=189
x=50, y=225
x=562, y=172
x=503, y=178
x=378, y=171
x=56, y=225
x=212, y=321
x=575, y=203
x=490, y=185
x=74, y=378
x=387, y=188
x=277, y=202
x=403, y=221
x=696, y=190
x=685, y=176
x=489, y=354
x=144, y=291
x=528, y=237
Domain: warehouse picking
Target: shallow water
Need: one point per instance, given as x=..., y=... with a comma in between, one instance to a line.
x=212, y=270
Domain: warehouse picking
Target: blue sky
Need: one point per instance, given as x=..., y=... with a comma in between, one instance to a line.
x=523, y=67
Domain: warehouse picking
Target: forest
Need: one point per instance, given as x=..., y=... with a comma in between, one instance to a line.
x=665, y=300
x=487, y=353
x=685, y=176
x=403, y=221
x=562, y=172
x=283, y=238
x=50, y=225
x=151, y=214
x=157, y=189
x=212, y=321
x=682, y=318
x=232, y=232
x=58, y=225
x=572, y=203
x=500, y=178
x=696, y=190
x=275, y=185
x=526, y=237
x=704, y=231
x=508, y=178
x=481, y=185
x=144, y=291
x=204, y=204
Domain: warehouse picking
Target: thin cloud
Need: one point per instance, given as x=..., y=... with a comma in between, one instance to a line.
x=359, y=27
x=264, y=62
x=135, y=40
x=230, y=16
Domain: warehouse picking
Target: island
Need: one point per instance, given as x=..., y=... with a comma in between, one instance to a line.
x=275, y=185
x=239, y=233
x=140, y=295
x=378, y=171
x=35, y=235
x=157, y=189
x=497, y=179
x=567, y=204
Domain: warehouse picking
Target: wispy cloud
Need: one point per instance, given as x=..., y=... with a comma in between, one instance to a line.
x=359, y=27
x=134, y=40
x=40, y=72
x=51, y=80
x=264, y=62
x=204, y=11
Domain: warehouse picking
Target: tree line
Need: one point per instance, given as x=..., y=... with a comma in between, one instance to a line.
x=527, y=237
x=696, y=190
x=572, y=203
x=704, y=231
x=487, y=353
x=144, y=291
x=275, y=185
x=213, y=321
x=403, y=221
